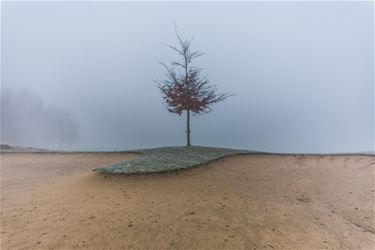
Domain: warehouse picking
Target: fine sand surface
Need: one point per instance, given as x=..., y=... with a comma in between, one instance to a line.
x=54, y=201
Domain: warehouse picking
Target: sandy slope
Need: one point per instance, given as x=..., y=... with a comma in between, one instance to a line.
x=254, y=201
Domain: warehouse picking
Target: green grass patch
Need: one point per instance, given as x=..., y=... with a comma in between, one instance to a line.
x=168, y=159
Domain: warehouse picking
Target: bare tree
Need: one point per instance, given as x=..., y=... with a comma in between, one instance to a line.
x=184, y=89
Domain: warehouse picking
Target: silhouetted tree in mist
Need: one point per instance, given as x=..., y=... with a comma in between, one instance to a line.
x=184, y=89
x=27, y=121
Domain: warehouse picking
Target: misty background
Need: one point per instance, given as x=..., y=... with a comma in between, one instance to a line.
x=80, y=75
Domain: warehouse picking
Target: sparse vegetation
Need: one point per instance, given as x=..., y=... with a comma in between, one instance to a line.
x=168, y=159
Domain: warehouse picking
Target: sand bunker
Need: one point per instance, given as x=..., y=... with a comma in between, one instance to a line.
x=253, y=201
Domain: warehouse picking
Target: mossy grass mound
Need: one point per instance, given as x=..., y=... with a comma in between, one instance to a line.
x=168, y=159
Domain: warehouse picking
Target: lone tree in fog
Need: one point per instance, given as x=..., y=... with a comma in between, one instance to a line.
x=184, y=89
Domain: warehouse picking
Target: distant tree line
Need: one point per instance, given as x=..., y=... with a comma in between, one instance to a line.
x=27, y=121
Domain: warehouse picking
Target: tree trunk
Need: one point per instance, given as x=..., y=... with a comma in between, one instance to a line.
x=188, y=127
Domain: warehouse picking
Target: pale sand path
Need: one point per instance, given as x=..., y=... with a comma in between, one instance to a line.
x=253, y=201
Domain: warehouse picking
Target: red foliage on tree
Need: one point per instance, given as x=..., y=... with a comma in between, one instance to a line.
x=184, y=89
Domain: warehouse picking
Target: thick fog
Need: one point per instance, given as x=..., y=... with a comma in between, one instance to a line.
x=81, y=75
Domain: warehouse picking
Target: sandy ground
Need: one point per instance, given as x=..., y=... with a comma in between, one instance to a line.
x=250, y=202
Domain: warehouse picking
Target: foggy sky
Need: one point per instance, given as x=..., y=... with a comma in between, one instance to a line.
x=302, y=73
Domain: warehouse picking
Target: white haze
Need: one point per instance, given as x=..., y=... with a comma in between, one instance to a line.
x=302, y=74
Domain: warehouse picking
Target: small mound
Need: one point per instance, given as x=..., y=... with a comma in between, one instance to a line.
x=169, y=159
